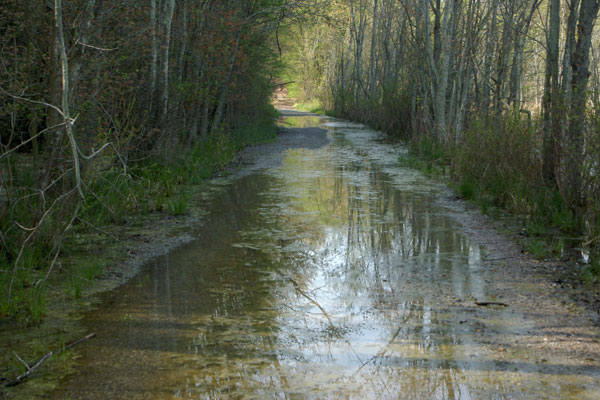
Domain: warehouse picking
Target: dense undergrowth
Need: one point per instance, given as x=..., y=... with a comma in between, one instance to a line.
x=497, y=164
x=114, y=197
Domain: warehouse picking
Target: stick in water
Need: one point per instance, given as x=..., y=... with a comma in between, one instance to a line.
x=25, y=375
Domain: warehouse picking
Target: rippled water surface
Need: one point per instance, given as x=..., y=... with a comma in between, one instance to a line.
x=335, y=275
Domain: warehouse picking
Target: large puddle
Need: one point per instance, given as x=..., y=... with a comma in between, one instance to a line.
x=335, y=275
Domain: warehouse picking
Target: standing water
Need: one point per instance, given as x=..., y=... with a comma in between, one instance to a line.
x=335, y=274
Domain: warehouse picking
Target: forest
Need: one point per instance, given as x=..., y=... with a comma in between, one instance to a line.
x=107, y=106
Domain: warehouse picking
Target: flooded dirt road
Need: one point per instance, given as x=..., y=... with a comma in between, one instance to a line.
x=331, y=272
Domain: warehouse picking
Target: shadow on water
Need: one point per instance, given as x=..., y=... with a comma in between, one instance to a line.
x=328, y=277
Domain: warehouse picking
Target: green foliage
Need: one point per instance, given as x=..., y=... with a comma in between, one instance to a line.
x=82, y=276
x=312, y=106
x=428, y=156
x=178, y=205
x=592, y=272
x=536, y=227
x=495, y=165
x=27, y=303
x=113, y=103
x=467, y=189
x=538, y=248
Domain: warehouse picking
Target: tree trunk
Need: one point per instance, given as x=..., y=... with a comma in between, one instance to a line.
x=503, y=58
x=60, y=44
x=551, y=93
x=166, y=21
x=181, y=61
x=570, y=38
x=488, y=59
x=372, y=77
x=154, y=57
x=577, y=117
x=443, y=70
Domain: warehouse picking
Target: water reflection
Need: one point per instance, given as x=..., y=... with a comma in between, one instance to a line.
x=327, y=277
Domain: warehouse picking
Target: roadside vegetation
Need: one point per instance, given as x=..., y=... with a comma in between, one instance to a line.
x=108, y=110
x=502, y=96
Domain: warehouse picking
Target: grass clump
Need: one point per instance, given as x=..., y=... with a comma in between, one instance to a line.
x=467, y=189
x=313, y=106
x=538, y=248
x=178, y=205
x=82, y=276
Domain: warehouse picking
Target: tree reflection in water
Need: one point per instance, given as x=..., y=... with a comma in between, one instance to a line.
x=329, y=277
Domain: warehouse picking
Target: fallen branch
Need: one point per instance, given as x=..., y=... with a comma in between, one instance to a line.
x=490, y=303
x=31, y=370
x=98, y=229
x=500, y=258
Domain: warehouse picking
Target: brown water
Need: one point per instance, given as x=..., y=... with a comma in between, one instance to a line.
x=334, y=275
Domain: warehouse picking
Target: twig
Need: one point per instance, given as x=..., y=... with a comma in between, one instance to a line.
x=22, y=361
x=490, y=303
x=6, y=153
x=28, y=238
x=75, y=343
x=56, y=254
x=43, y=103
x=98, y=229
x=31, y=370
x=24, y=376
x=500, y=258
x=94, y=47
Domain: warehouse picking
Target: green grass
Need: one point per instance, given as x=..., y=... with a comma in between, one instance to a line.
x=592, y=273
x=538, y=248
x=467, y=189
x=27, y=301
x=536, y=228
x=178, y=205
x=82, y=276
x=313, y=106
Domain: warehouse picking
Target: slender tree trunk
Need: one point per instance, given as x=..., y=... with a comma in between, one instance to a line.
x=443, y=69
x=184, y=40
x=577, y=117
x=503, y=57
x=53, y=117
x=551, y=93
x=488, y=59
x=60, y=43
x=570, y=38
x=154, y=57
x=373, y=61
x=167, y=22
